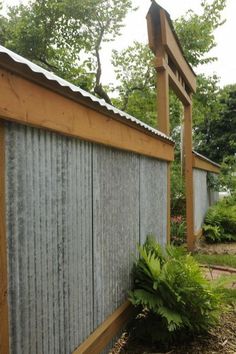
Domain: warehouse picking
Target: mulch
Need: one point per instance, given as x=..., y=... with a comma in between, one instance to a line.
x=221, y=339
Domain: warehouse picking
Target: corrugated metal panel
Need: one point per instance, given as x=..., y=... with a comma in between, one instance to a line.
x=49, y=230
x=201, y=198
x=37, y=72
x=153, y=199
x=116, y=227
x=213, y=194
x=74, y=213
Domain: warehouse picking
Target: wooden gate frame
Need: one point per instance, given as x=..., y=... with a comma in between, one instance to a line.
x=173, y=71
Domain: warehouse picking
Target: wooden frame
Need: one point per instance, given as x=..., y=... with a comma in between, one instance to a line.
x=98, y=340
x=204, y=164
x=25, y=102
x=173, y=71
x=4, y=325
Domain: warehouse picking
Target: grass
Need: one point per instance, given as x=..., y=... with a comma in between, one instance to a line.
x=217, y=259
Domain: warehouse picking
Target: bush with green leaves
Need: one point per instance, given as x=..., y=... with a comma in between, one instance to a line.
x=220, y=221
x=177, y=230
x=171, y=292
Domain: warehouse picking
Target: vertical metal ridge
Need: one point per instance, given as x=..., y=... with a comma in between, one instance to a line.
x=202, y=200
x=75, y=213
x=153, y=196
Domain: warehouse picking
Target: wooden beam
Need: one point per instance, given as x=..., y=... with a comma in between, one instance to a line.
x=99, y=339
x=25, y=102
x=189, y=176
x=205, y=165
x=173, y=49
x=163, y=101
x=4, y=327
x=164, y=126
x=179, y=90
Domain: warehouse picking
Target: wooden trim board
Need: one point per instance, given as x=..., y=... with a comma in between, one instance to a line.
x=4, y=331
x=99, y=339
x=25, y=102
x=172, y=48
x=189, y=176
x=205, y=165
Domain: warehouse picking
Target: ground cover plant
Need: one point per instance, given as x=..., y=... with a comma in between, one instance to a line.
x=228, y=260
x=175, y=299
x=220, y=222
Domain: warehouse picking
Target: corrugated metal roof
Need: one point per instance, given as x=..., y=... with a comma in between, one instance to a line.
x=37, y=72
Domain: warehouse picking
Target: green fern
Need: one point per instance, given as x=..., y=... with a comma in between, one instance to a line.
x=170, y=287
x=220, y=221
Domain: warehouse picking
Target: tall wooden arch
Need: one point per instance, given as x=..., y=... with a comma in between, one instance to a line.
x=173, y=71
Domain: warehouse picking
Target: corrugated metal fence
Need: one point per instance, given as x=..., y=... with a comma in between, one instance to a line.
x=75, y=212
x=204, y=196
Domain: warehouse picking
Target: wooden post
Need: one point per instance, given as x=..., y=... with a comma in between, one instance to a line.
x=163, y=101
x=4, y=332
x=164, y=126
x=189, y=175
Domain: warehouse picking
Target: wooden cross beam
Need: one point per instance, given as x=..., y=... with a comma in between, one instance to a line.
x=173, y=71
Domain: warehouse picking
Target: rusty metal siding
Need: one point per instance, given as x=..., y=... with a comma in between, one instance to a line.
x=49, y=229
x=153, y=199
x=75, y=213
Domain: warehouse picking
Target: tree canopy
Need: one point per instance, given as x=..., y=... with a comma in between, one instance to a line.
x=65, y=36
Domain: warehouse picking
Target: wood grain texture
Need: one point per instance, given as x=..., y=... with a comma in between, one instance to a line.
x=25, y=102
x=98, y=340
x=189, y=176
x=205, y=165
x=4, y=331
x=172, y=47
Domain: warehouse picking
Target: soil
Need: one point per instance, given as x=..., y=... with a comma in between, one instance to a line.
x=221, y=339
x=217, y=248
x=212, y=273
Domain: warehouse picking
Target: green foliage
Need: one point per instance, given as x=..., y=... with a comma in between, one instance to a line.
x=215, y=127
x=217, y=259
x=136, y=77
x=177, y=230
x=178, y=202
x=202, y=28
x=220, y=221
x=65, y=36
x=227, y=178
x=171, y=289
x=212, y=233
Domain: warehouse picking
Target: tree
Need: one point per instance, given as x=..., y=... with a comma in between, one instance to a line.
x=196, y=32
x=136, y=77
x=66, y=36
x=217, y=137
x=137, y=85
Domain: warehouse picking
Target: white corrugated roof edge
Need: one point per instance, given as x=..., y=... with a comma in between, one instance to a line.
x=37, y=70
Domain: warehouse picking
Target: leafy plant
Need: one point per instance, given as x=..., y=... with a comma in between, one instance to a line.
x=177, y=230
x=220, y=221
x=171, y=290
x=212, y=233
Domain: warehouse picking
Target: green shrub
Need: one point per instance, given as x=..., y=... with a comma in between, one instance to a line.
x=177, y=230
x=212, y=233
x=220, y=221
x=171, y=290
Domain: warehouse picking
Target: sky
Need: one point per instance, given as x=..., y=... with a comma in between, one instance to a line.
x=135, y=30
